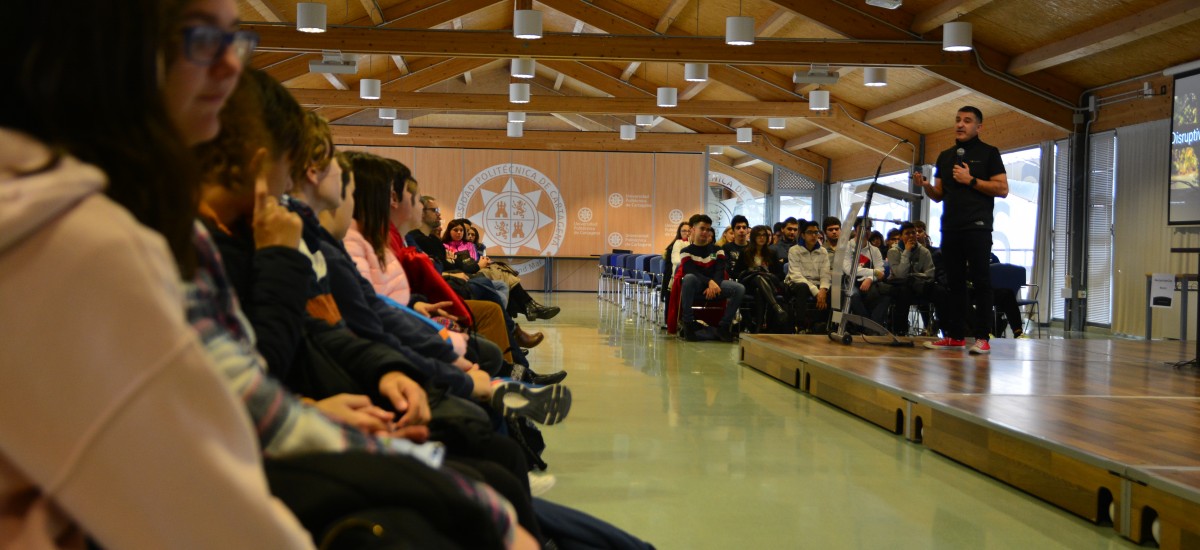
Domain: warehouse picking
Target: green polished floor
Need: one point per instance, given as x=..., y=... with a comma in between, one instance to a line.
x=678, y=444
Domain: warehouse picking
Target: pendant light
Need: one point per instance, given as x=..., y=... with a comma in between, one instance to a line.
x=516, y=129
x=776, y=123
x=818, y=100
x=523, y=67
x=745, y=135
x=628, y=132
x=644, y=120
x=739, y=31
x=516, y=117
x=527, y=24
x=956, y=36
x=518, y=92
x=387, y=114
x=400, y=127
x=310, y=17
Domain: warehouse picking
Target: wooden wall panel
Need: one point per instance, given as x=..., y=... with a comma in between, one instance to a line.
x=582, y=178
x=439, y=173
x=630, y=192
x=678, y=193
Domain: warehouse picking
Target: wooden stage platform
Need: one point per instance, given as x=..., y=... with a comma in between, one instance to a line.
x=1102, y=428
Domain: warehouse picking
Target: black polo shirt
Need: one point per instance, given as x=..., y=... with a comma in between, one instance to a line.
x=966, y=208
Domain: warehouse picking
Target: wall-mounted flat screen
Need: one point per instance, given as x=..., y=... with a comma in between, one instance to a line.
x=1184, y=195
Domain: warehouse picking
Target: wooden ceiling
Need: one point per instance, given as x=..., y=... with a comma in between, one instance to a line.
x=445, y=65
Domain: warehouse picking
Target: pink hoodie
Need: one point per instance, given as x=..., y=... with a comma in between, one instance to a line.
x=389, y=280
x=112, y=419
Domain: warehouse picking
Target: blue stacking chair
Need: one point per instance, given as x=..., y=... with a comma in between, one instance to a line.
x=601, y=274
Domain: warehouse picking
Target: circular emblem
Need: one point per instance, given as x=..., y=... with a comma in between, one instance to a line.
x=584, y=215
x=675, y=216
x=615, y=200
x=615, y=239
x=519, y=210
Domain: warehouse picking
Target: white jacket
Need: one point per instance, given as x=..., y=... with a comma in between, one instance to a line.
x=112, y=420
x=810, y=267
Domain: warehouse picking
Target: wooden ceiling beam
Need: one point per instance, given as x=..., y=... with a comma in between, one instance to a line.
x=724, y=164
x=434, y=74
x=692, y=89
x=373, y=11
x=425, y=15
x=609, y=15
x=335, y=81
x=668, y=16
x=746, y=162
x=774, y=23
x=810, y=139
x=915, y=103
x=943, y=13
x=591, y=76
x=1147, y=22
x=839, y=17
x=400, y=64
x=574, y=123
x=267, y=11
x=293, y=67
x=677, y=49
x=552, y=104
x=552, y=141
x=850, y=22
x=630, y=70
x=764, y=147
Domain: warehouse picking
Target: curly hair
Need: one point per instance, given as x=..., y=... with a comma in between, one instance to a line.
x=315, y=148
x=226, y=160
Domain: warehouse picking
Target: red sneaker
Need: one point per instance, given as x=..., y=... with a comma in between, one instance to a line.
x=947, y=343
x=981, y=347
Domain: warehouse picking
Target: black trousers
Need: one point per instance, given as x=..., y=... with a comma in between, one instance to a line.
x=966, y=256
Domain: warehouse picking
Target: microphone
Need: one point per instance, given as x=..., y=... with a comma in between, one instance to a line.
x=961, y=153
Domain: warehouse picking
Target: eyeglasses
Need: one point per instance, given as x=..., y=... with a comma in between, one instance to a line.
x=434, y=210
x=204, y=44
x=812, y=232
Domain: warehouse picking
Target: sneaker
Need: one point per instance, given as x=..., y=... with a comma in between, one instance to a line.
x=540, y=484
x=542, y=404
x=981, y=347
x=948, y=343
x=545, y=379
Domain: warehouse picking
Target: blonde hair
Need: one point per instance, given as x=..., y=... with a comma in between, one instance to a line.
x=316, y=146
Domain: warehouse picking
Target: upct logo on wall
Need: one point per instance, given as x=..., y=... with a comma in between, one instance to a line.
x=615, y=239
x=522, y=209
x=615, y=200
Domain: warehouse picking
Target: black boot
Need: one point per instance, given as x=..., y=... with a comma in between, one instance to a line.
x=535, y=311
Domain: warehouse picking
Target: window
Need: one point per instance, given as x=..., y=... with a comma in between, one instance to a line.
x=882, y=208
x=1101, y=189
x=1058, y=254
x=796, y=206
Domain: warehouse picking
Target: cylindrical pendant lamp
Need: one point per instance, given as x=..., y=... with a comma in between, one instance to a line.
x=368, y=88
x=518, y=92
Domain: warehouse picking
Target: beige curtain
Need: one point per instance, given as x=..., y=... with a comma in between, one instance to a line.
x=1143, y=239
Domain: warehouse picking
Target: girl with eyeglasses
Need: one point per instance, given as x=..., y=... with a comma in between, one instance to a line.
x=108, y=396
x=760, y=271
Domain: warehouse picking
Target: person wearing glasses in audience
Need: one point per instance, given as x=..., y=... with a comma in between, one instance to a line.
x=808, y=278
x=113, y=423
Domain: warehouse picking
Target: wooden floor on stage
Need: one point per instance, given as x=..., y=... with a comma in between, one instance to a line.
x=1070, y=421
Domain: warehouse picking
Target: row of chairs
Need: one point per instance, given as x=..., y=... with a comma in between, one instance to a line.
x=631, y=280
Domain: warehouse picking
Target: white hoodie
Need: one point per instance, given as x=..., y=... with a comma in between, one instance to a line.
x=112, y=422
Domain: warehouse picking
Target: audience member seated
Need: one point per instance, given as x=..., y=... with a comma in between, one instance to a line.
x=702, y=273
x=864, y=271
x=464, y=256
x=740, y=228
x=761, y=273
x=671, y=256
x=876, y=241
x=808, y=280
x=1005, y=302
x=911, y=278
x=107, y=395
x=893, y=237
x=789, y=234
x=831, y=233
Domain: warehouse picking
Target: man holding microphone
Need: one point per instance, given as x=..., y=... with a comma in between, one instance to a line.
x=970, y=176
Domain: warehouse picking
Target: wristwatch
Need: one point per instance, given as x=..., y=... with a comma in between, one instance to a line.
x=974, y=182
